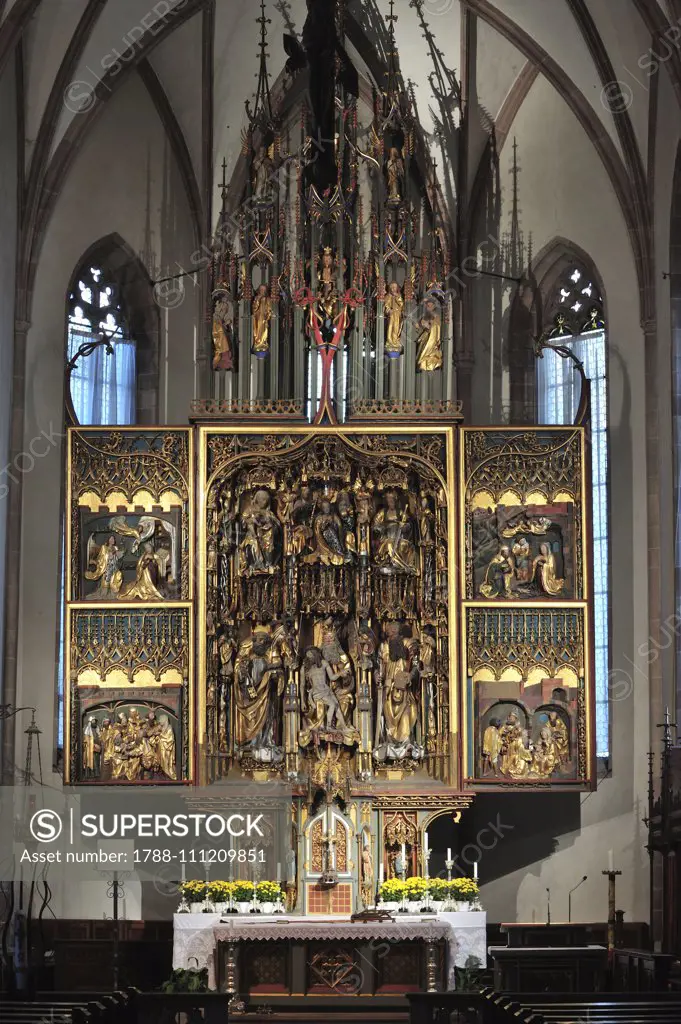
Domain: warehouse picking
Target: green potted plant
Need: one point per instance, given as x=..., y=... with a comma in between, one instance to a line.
x=469, y=978
x=188, y=979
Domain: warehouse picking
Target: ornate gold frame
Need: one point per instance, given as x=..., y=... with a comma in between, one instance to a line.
x=449, y=483
x=585, y=603
x=71, y=605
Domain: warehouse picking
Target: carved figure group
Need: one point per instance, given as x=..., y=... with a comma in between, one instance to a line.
x=129, y=748
x=153, y=544
x=513, y=571
x=508, y=750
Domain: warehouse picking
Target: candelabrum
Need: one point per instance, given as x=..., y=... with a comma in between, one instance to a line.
x=449, y=864
x=426, y=860
x=612, y=917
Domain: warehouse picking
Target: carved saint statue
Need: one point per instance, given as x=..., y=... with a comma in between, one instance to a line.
x=545, y=757
x=262, y=314
x=346, y=513
x=429, y=351
x=303, y=508
x=166, y=747
x=397, y=676
x=223, y=329
x=327, y=639
x=491, y=746
x=322, y=708
x=259, y=683
x=515, y=756
x=394, y=312
x=327, y=531
x=499, y=575
x=327, y=267
x=91, y=747
x=260, y=547
x=262, y=168
x=393, y=532
x=394, y=170
x=544, y=566
x=106, y=570
x=522, y=554
x=559, y=733
x=143, y=587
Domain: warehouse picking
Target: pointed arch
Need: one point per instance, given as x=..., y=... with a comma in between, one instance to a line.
x=574, y=313
x=123, y=267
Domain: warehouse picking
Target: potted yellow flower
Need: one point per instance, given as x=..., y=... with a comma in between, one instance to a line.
x=464, y=892
x=220, y=893
x=268, y=894
x=194, y=893
x=439, y=892
x=415, y=893
x=243, y=895
x=390, y=894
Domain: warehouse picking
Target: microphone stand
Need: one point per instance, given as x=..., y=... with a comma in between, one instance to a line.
x=581, y=881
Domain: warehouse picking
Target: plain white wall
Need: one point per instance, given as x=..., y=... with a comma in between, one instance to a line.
x=104, y=192
x=565, y=192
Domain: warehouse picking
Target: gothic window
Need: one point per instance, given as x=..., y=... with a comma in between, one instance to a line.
x=575, y=313
x=112, y=339
x=101, y=351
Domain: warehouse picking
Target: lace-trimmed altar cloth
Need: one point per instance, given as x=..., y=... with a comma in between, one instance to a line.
x=195, y=936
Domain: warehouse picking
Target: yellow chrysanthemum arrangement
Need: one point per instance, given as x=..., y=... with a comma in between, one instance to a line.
x=194, y=891
x=392, y=890
x=416, y=888
x=464, y=888
x=220, y=891
x=243, y=890
x=440, y=889
x=268, y=892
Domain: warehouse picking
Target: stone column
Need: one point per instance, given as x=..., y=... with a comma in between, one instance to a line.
x=13, y=551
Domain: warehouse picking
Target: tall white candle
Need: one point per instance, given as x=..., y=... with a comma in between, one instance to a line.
x=611, y=863
x=381, y=874
x=449, y=853
x=278, y=871
x=425, y=841
x=475, y=870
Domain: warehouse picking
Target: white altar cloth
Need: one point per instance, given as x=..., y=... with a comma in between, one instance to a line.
x=195, y=936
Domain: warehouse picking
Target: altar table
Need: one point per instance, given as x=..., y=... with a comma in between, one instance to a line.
x=199, y=938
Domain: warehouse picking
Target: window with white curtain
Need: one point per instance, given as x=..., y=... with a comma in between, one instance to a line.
x=103, y=386
x=103, y=383
x=579, y=326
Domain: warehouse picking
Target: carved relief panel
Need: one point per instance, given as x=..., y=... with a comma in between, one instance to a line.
x=327, y=599
x=129, y=616
x=527, y=677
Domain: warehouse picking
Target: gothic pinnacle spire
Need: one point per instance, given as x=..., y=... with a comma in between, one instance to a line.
x=261, y=114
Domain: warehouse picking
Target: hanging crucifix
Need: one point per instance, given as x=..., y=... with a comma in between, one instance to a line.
x=322, y=53
x=328, y=321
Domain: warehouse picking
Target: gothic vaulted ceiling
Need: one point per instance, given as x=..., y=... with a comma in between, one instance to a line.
x=198, y=59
